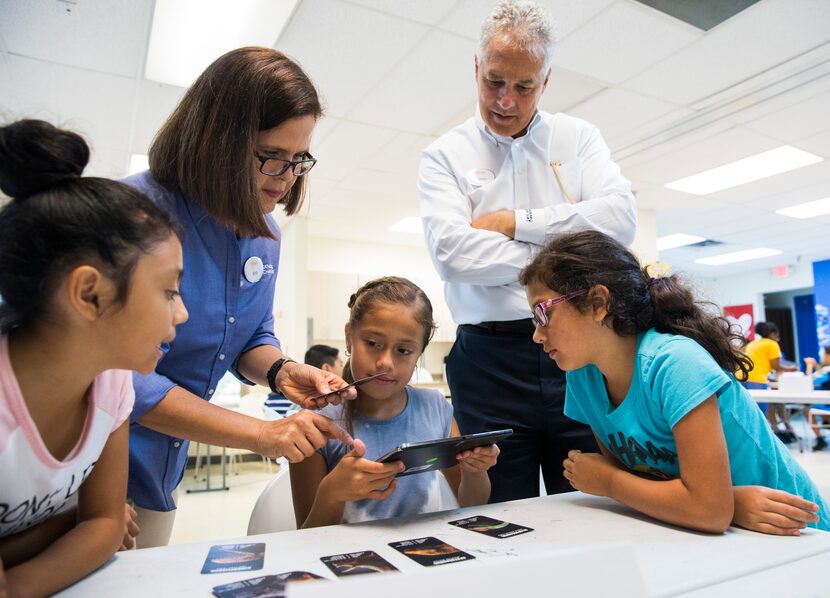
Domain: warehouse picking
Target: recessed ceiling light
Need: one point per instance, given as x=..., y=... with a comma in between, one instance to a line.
x=188, y=35
x=677, y=240
x=737, y=256
x=807, y=210
x=753, y=168
x=139, y=163
x=410, y=224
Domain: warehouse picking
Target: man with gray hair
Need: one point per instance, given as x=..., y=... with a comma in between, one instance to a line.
x=493, y=190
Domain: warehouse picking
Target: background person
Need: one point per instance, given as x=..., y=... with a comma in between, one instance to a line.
x=323, y=357
x=493, y=190
x=765, y=353
x=89, y=277
x=235, y=148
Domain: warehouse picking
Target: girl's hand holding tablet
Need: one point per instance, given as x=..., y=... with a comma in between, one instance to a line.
x=481, y=458
x=356, y=478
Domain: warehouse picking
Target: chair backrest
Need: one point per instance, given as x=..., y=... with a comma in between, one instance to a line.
x=274, y=509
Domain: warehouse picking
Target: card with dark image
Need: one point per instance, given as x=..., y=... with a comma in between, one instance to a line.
x=226, y=558
x=491, y=527
x=357, y=563
x=267, y=586
x=292, y=576
x=430, y=551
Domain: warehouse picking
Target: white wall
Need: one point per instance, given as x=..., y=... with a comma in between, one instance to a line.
x=752, y=286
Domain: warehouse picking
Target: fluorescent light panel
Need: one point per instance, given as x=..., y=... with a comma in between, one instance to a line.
x=753, y=168
x=188, y=35
x=737, y=256
x=807, y=210
x=410, y=224
x=677, y=240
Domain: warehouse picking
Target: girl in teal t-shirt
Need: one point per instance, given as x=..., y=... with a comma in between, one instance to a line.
x=650, y=370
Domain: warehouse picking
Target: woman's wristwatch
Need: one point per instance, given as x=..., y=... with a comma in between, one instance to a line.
x=274, y=370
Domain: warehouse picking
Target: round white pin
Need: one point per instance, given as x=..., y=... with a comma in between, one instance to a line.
x=253, y=269
x=480, y=176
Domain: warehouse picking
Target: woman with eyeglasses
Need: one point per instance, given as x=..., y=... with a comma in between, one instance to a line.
x=234, y=149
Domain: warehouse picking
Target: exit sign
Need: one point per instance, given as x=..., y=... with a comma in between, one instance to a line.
x=781, y=271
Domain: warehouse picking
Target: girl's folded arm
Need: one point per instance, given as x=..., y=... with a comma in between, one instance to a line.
x=701, y=498
x=97, y=535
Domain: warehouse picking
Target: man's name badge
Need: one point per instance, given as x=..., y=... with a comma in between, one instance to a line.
x=480, y=176
x=253, y=269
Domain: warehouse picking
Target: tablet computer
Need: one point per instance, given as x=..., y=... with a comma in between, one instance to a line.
x=439, y=454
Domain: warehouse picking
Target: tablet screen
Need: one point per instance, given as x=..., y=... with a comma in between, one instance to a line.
x=419, y=457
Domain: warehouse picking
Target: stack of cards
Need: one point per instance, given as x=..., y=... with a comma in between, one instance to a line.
x=491, y=527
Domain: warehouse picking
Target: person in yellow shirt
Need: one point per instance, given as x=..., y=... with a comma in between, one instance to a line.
x=765, y=354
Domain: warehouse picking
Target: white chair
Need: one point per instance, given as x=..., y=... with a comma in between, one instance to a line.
x=274, y=509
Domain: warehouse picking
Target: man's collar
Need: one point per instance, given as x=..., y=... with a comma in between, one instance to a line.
x=482, y=125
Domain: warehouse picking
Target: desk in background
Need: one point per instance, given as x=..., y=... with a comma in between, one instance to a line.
x=777, y=396
x=672, y=561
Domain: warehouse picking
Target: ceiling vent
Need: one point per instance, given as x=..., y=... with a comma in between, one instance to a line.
x=703, y=14
x=706, y=243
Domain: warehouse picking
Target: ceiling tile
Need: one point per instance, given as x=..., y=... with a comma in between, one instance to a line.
x=603, y=48
x=429, y=12
x=817, y=144
x=109, y=36
x=719, y=149
x=760, y=37
x=566, y=89
x=48, y=91
x=429, y=86
x=401, y=155
x=786, y=182
x=347, y=49
x=796, y=122
x=348, y=147
x=617, y=110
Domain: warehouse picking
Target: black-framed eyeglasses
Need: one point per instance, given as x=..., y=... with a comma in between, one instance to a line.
x=276, y=166
x=540, y=310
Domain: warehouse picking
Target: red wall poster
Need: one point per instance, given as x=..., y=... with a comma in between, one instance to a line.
x=743, y=316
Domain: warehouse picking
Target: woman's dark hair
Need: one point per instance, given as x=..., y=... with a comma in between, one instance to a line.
x=636, y=301
x=205, y=149
x=58, y=220
x=388, y=290
x=765, y=329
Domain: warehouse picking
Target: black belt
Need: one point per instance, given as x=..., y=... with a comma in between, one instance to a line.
x=524, y=327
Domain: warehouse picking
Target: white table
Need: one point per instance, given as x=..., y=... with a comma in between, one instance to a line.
x=672, y=561
x=804, y=398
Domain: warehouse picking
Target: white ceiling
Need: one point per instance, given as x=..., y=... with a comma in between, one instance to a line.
x=670, y=99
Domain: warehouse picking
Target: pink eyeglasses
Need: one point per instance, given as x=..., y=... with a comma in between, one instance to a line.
x=540, y=311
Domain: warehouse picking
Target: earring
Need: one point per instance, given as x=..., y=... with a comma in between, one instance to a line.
x=348, y=353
